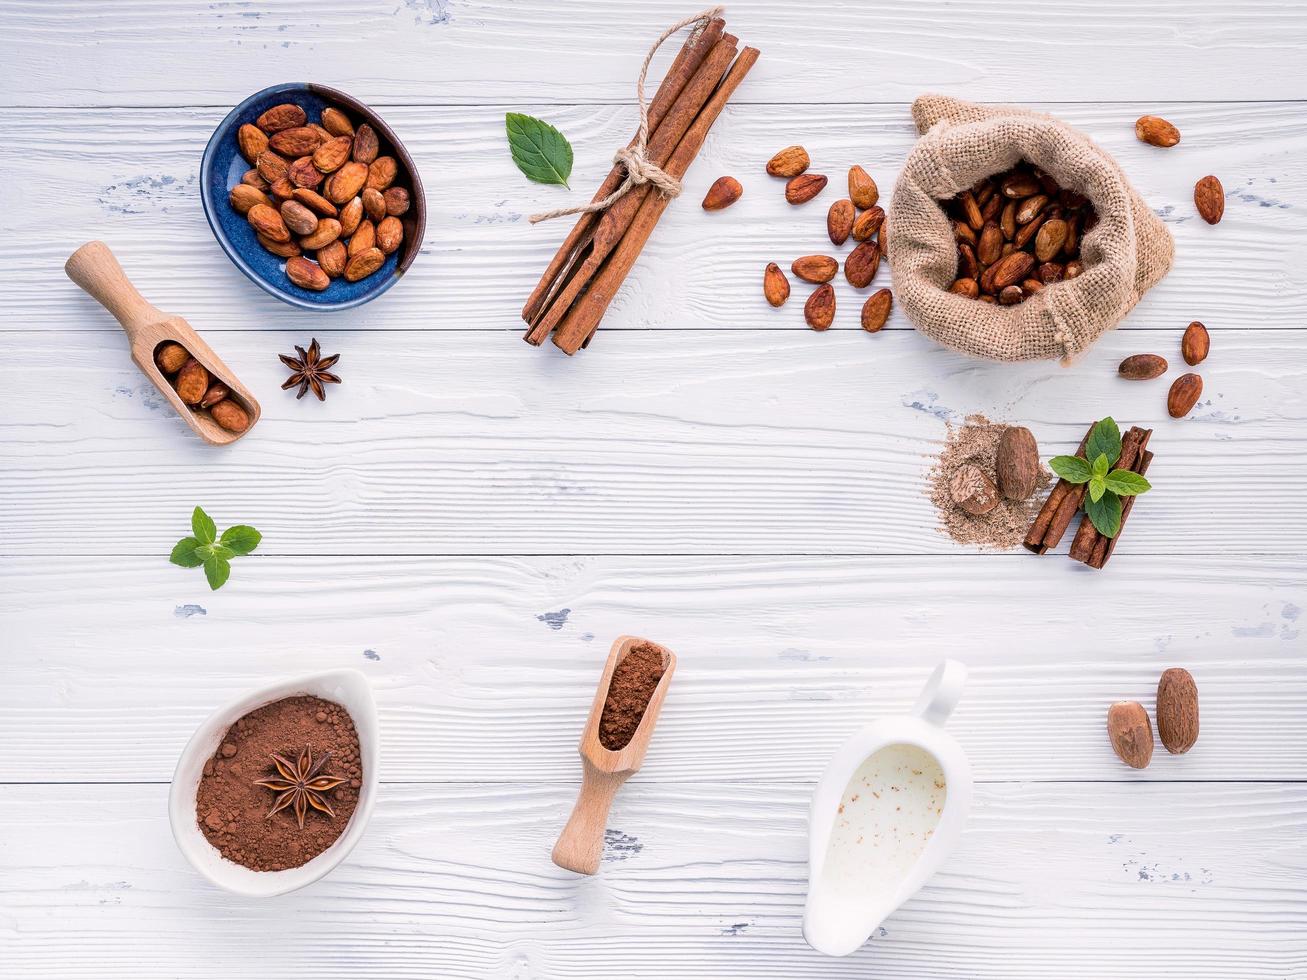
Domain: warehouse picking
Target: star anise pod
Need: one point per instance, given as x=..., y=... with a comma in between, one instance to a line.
x=311, y=370
x=301, y=784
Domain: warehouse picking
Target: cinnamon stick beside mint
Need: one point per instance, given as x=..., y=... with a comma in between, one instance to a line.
x=1105, y=546
x=1055, y=516
x=1133, y=445
x=584, y=316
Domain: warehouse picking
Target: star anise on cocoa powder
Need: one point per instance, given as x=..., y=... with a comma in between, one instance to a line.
x=311, y=370
x=301, y=784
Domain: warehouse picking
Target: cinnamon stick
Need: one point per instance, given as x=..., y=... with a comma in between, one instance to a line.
x=1103, y=550
x=1055, y=516
x=614, y=222
x=1133, y=443
x=682, y=69
x=583, y=318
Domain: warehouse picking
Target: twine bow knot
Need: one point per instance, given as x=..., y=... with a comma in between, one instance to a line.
x=635, y=158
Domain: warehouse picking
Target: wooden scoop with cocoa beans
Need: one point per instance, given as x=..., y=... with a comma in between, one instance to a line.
x=616, y=735
x=203, y=390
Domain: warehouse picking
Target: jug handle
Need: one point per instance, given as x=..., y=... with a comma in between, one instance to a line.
x=940, y=695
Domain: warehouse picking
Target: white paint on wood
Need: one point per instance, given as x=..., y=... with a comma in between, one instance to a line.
x=489, y=665
x=1091, y=882
x=647, y=444
x=139, y=52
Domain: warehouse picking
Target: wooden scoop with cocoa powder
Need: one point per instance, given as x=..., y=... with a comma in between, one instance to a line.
x=204, y=391
x=616, y=735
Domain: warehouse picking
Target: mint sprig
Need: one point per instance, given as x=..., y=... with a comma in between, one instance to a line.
x=539, y=150
x=215, y=553
x=1106, y=486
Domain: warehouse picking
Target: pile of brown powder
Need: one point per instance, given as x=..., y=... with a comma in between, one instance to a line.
x=1004, y=527
x=633, y=683
x=233, y=812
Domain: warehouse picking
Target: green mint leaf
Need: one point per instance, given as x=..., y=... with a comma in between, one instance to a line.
x=204, y=552
x=1101, y=466
x=1073, y=469
x=1104, y=440
x=540, y=151
x=216, y=570
x=241, y=538
x=1125, y=483
x=222, y=551
x=1105, y=514
x=203, y=527
x=183, y=554
x=1097, y=487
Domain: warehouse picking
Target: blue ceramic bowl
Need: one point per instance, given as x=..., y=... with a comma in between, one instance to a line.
x=223, y=166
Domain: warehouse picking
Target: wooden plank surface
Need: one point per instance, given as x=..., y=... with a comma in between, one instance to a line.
x=1086, y=881
x=488, y=665
x=720, y=443
x=131, y=178
x=470, y=521
x=405, y=51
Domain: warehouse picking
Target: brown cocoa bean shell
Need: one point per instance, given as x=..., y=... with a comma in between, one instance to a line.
x=328, y=231
x=1184, y=394
x=243, y=197
x=397, y=201
x=1195, y=344
x=363, y=264
x=839, y=221
x=346, y=182
x=803, y=188
x=863, y=191
x=775, y=287
x=789, y=162
x=382, y=172
x=1012, y=269
x=332, y=258
x=390, y=235
x=965, y=287
x=1209, y=199
x=876, y=310
x=336, y=122
x=819, y=310
x=1142, y=367
x=815, y=268
x=724, y=192
x=1156, y=131
x=374, y=203
x=271, y=166
x=366, y=145
x=216, y=393
x=350, y=216
x=192, y=382
x=285, y=116
x=252, y=141
x=861, y=265
x=364, y=238
x=306, y=274
x=315, y=202
x=299, y=141
x=170, y=357
x=1049, y=239
x=873, y=219
x=299, y=219
x=283, y=250
x=332, y=155
x=267, y=221
x=989, y=249
x=230, y=416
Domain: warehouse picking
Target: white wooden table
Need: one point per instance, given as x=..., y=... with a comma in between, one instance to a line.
x=470, y=521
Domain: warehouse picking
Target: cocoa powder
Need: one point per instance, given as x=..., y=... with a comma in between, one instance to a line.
x=633, y=683
x=233, y=812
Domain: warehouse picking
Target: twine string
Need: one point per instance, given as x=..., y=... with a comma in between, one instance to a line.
x=639, y=168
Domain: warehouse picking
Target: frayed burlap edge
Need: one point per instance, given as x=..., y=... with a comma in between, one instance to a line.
x=1128, y=252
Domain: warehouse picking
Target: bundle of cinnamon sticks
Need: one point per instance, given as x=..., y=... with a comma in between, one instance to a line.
x=593, y=261
x=1059, y=510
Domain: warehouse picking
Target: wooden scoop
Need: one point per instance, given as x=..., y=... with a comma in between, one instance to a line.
x=96, y=270
x=581, y=843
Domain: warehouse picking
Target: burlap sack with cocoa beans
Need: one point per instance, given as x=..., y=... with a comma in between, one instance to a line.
x=961, y=143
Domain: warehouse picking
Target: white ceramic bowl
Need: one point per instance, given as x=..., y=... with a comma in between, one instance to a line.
x=346, y=687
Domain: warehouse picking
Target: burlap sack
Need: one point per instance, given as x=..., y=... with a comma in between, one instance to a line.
x=1126, y=253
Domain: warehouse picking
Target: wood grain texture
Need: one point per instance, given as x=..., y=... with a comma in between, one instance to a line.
x=488, y=665
x=1089, y=882
x=730, y=443
x=569, y=50
x=131, y=178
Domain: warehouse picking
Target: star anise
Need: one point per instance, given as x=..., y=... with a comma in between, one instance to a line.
x=311, y=370
x=301, y=784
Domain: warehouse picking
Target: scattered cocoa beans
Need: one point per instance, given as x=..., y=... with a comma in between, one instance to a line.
x=819, y=311
x=197, y=388
x=310, y=189
x=775, y=287
x=1184, y=394
x=1195, y=344
x=1156, y=131
x=1142, y=367
x=1209, y=199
